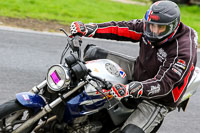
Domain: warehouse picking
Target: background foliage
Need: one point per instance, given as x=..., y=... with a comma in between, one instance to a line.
x=67, y=11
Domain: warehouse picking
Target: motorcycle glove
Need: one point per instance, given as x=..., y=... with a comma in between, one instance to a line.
x=133, y=89
x=82, y=29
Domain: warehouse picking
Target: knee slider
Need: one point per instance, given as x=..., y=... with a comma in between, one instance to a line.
x=130, y=128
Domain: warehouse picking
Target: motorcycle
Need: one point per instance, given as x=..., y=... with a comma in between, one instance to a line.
x=74, y=97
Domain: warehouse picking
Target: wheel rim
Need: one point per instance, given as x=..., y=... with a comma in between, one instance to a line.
x=12, y=121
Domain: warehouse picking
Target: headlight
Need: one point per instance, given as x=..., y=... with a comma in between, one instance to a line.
x=58, y=77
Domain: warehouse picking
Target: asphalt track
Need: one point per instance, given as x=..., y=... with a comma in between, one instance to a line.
x=26, y=55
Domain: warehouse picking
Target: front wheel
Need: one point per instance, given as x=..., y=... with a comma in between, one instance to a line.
x=12, y=115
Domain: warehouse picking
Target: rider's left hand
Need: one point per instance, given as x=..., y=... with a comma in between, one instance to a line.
x=82, y=29
x=133, y=89
x=78, y=27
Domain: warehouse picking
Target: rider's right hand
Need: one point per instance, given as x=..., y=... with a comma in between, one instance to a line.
x=79, y=28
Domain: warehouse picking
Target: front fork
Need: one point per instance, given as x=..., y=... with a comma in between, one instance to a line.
x=46, y=109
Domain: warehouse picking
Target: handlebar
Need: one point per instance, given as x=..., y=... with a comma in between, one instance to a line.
x=74, y=42
x=106, y=84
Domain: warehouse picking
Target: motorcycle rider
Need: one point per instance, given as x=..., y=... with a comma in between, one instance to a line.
x=164, y=67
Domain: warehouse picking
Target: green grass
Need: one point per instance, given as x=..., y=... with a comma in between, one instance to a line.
x=190, y=15
x=67, y=11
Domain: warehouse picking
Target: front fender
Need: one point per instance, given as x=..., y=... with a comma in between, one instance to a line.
x=30, y=100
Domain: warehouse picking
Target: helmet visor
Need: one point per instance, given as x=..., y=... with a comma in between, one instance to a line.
x=158, y=31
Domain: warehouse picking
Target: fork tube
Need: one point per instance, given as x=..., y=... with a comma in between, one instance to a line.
x=36, y=89
x=48, y=108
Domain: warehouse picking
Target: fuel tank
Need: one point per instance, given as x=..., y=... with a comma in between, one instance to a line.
x=105, y=69
x=108, y=70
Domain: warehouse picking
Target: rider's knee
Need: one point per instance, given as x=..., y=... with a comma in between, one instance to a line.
x=130, y=128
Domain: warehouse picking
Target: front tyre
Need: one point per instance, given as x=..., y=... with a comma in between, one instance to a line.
x=12, y=115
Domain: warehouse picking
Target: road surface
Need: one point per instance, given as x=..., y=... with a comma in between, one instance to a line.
x=25, y=57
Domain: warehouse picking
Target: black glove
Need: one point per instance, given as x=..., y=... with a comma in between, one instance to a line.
x=82, y=29
x=133, y=89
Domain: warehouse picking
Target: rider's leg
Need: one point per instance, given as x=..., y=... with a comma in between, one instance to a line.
x=147, y=116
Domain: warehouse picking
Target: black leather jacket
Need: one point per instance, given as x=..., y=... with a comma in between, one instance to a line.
x=163, y=71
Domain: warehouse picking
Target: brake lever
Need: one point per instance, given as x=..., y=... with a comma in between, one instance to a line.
x=98, y=88
x=75, y=41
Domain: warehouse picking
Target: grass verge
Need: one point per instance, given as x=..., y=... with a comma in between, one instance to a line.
x=67, y=11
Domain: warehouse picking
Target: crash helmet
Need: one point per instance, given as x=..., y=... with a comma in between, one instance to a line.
x=161, y=22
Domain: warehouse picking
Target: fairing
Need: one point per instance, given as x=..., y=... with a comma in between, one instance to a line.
x=30, y=100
